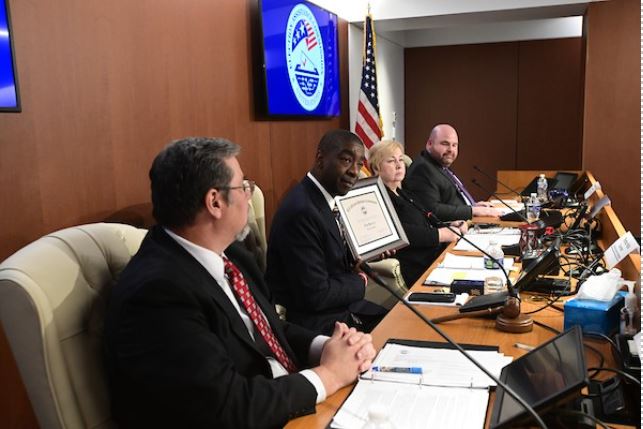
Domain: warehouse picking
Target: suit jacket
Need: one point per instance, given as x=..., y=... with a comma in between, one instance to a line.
x=308, y=267
x=428, y=181
x=177, y=353
x=424, y=241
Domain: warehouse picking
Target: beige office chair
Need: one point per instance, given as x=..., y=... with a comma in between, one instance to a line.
x=389, y=270
x=256, y=242
x=407, y=160
x=52, y=298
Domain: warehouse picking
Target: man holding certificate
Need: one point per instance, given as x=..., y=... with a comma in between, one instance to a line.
x=310, y=269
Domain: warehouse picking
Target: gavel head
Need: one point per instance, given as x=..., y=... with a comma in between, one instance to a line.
x=511, y=308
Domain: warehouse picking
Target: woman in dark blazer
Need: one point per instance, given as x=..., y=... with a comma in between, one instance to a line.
x=386, y=160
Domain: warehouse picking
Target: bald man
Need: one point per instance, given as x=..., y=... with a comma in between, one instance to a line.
x=436, y=187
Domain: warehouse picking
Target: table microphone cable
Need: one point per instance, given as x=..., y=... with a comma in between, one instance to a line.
x=376, y=277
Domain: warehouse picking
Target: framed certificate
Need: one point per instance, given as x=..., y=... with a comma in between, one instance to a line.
x=369, y=221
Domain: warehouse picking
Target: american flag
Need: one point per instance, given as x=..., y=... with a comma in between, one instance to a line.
x=311, y=40
x=368, y=124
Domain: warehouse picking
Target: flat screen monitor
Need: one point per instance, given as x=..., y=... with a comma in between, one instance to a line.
x=300, y=59
x=549, y=375
x=9, y=96
x=565, y=180
x=541, y=265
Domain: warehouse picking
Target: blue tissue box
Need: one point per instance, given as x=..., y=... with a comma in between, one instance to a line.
x=595, y=316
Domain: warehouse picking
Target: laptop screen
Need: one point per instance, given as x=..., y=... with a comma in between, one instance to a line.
x=546, y=375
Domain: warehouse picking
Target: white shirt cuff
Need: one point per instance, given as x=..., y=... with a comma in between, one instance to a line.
x=316, y=382
x=316, y=348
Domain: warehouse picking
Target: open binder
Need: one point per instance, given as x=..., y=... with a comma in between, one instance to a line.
x=448, y=383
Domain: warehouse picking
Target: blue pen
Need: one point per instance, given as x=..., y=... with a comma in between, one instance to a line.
x=398, y=369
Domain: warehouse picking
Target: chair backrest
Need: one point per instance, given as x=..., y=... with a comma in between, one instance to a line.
x=407, y=160
x=52, y=303
x=256, y=242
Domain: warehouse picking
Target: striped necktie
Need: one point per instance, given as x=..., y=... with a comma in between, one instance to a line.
x=459, y=186
x=240, y=288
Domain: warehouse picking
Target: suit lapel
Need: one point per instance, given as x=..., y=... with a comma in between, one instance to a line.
x=206, y=282
x=445, y=175
x=321, y=205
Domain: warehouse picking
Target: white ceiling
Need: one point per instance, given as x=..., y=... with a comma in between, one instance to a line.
x=412, y=23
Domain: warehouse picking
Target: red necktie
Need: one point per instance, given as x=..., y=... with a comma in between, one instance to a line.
x=242, y=291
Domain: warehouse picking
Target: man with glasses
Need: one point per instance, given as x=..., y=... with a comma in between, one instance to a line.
x=309, y=267
x=191, y=338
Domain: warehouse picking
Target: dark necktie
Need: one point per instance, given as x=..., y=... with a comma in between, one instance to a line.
x=459, y=186
x=338, y=221
x=240, y=288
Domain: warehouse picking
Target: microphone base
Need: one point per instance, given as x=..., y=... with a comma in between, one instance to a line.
x=514, y=325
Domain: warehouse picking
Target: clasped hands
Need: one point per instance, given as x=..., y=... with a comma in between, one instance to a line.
x=346, y=354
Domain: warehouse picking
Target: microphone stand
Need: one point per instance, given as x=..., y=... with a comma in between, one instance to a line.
x=376, y=277
x=475, y=167
x=516, y=212
x=506, y=306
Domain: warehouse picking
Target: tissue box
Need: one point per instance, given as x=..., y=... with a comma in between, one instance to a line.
x=595, y=316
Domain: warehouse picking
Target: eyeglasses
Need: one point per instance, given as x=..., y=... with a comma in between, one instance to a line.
x=248, y=186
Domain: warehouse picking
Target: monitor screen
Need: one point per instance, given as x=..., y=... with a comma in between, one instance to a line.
x=9, y=98
x=565, y=180
x=547, y=375
x=540, y=265
x=300, y=59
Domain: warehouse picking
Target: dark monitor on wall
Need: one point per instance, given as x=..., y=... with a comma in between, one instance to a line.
x=9, y=95
x=300, y=59
x=551, y=374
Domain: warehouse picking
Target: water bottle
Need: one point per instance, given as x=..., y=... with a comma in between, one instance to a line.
x=378, y=419
x=533, y=208
x=541, y=191
x=495, y=257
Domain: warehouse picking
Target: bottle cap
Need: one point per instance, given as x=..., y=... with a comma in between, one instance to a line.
x=377, y=413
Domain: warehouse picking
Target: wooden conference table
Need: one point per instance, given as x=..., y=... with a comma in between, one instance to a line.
x=402, y=323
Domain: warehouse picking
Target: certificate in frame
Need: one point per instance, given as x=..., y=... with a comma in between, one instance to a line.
x=369, y=220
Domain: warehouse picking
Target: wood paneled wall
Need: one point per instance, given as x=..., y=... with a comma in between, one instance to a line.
x=612, y=124
x=105, y=85
x=515, y=105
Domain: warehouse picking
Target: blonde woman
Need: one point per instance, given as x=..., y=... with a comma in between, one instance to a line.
x=386, y=161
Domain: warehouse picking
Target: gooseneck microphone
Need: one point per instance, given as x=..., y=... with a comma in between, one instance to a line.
x=475, y=167
x=514, y=211
x=372, y=274
x=478, y=302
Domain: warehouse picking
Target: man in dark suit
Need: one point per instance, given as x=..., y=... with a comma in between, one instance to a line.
x=436, y=187
x=191, y=338
x=309, y=268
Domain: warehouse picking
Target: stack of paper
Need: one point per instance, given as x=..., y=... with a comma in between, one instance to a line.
x=445, y=276
x=415, y=407
x=515, y=205
x=444, y=367
x=505, y=237
x=456, y=267
x=434, y=398
x=469, y=262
